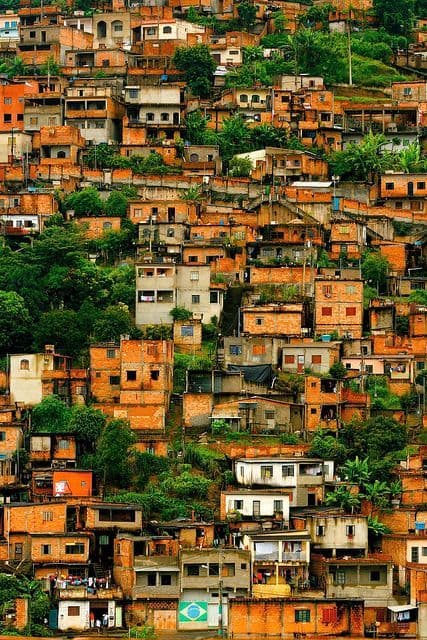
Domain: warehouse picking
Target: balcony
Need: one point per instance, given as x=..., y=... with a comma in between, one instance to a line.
x=84, y=592
x=159, y=591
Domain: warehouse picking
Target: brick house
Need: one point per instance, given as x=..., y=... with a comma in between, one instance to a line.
x=338, y=305
x=331, y=617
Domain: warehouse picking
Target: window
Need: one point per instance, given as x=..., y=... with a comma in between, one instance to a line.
x=424, y=551
x=414, y=554
x=320, y=530
x=133, y=93
x=167, y=29
x=420, y=365
x=73, y=612
x=195, y=299
x=266, y=472
x=194, y=275
x=34, y=120
x=407, y=91
x=214, y=297
x=238, y=504
x=63, y=444
x=327, y=290
x=421, y=185
x=2, y=436
x=350, y=311
x=214, y=569
x=114, y=380
x=74, y=548
x=151, y=579
x=269, y=415
x=47, y=516
x=316, y=359
x=7, y=117
x=130, y=375
x=24, y=365
x=278, y=506
x=288, y=470
x=235, y=350
x=302, y=615
x=32, y=34
x=350, y=289
x=187, y=331
x=259, y=321
x=369, y=368
x=19, y=547
x=375, y=576
x=111, y=353
x=389, y=186
x=151, y=31
x=340, y=577
x=164, y=117
x=416, y=205
x=165, y=580
x=150, y=117
x=243, y=97
x=193, y=569
x=8, y=100
x=313, y=411
x=46, y=549
x=228, y=569
x=289, y=359
x=326, y=311
x=154, y=374
x=117, y=26
x=350, y=530
x=398, y=204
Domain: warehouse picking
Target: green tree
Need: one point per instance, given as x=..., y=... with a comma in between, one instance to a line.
x=14, y=322
x=61, y=328
x=247, y=14
x=338, y=371
x=342, y=497
x=87, y=424
x=114, y=453
x=364, y=160
x=356, y=470
x=396, y=17
x=234, y=138
x=101, y=156
x=116, y=204
x=198, y=66
x=375, y=269
x=86, y=202
x=112, y=323
x=52, y=415
x=377, y=493
x=197, y=131
x=266, y=135
x=12, y=68
x=326, y=446
x=240, y=167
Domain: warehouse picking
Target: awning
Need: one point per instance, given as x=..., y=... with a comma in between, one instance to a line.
x=402, y=607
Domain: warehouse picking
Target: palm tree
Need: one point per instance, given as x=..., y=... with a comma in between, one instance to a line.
x=343, y=498
x=357, y=470
x=377, y=493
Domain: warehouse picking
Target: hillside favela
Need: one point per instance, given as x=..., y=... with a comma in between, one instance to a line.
x=213, y=319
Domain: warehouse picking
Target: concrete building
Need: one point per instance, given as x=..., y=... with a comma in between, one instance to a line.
x=163, y=286
x=303, y=478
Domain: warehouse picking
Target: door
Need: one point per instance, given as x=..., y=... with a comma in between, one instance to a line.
x=164, y=619
x=119, y=616
x=410, y=188
x=53, y=619
x=213, y=614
